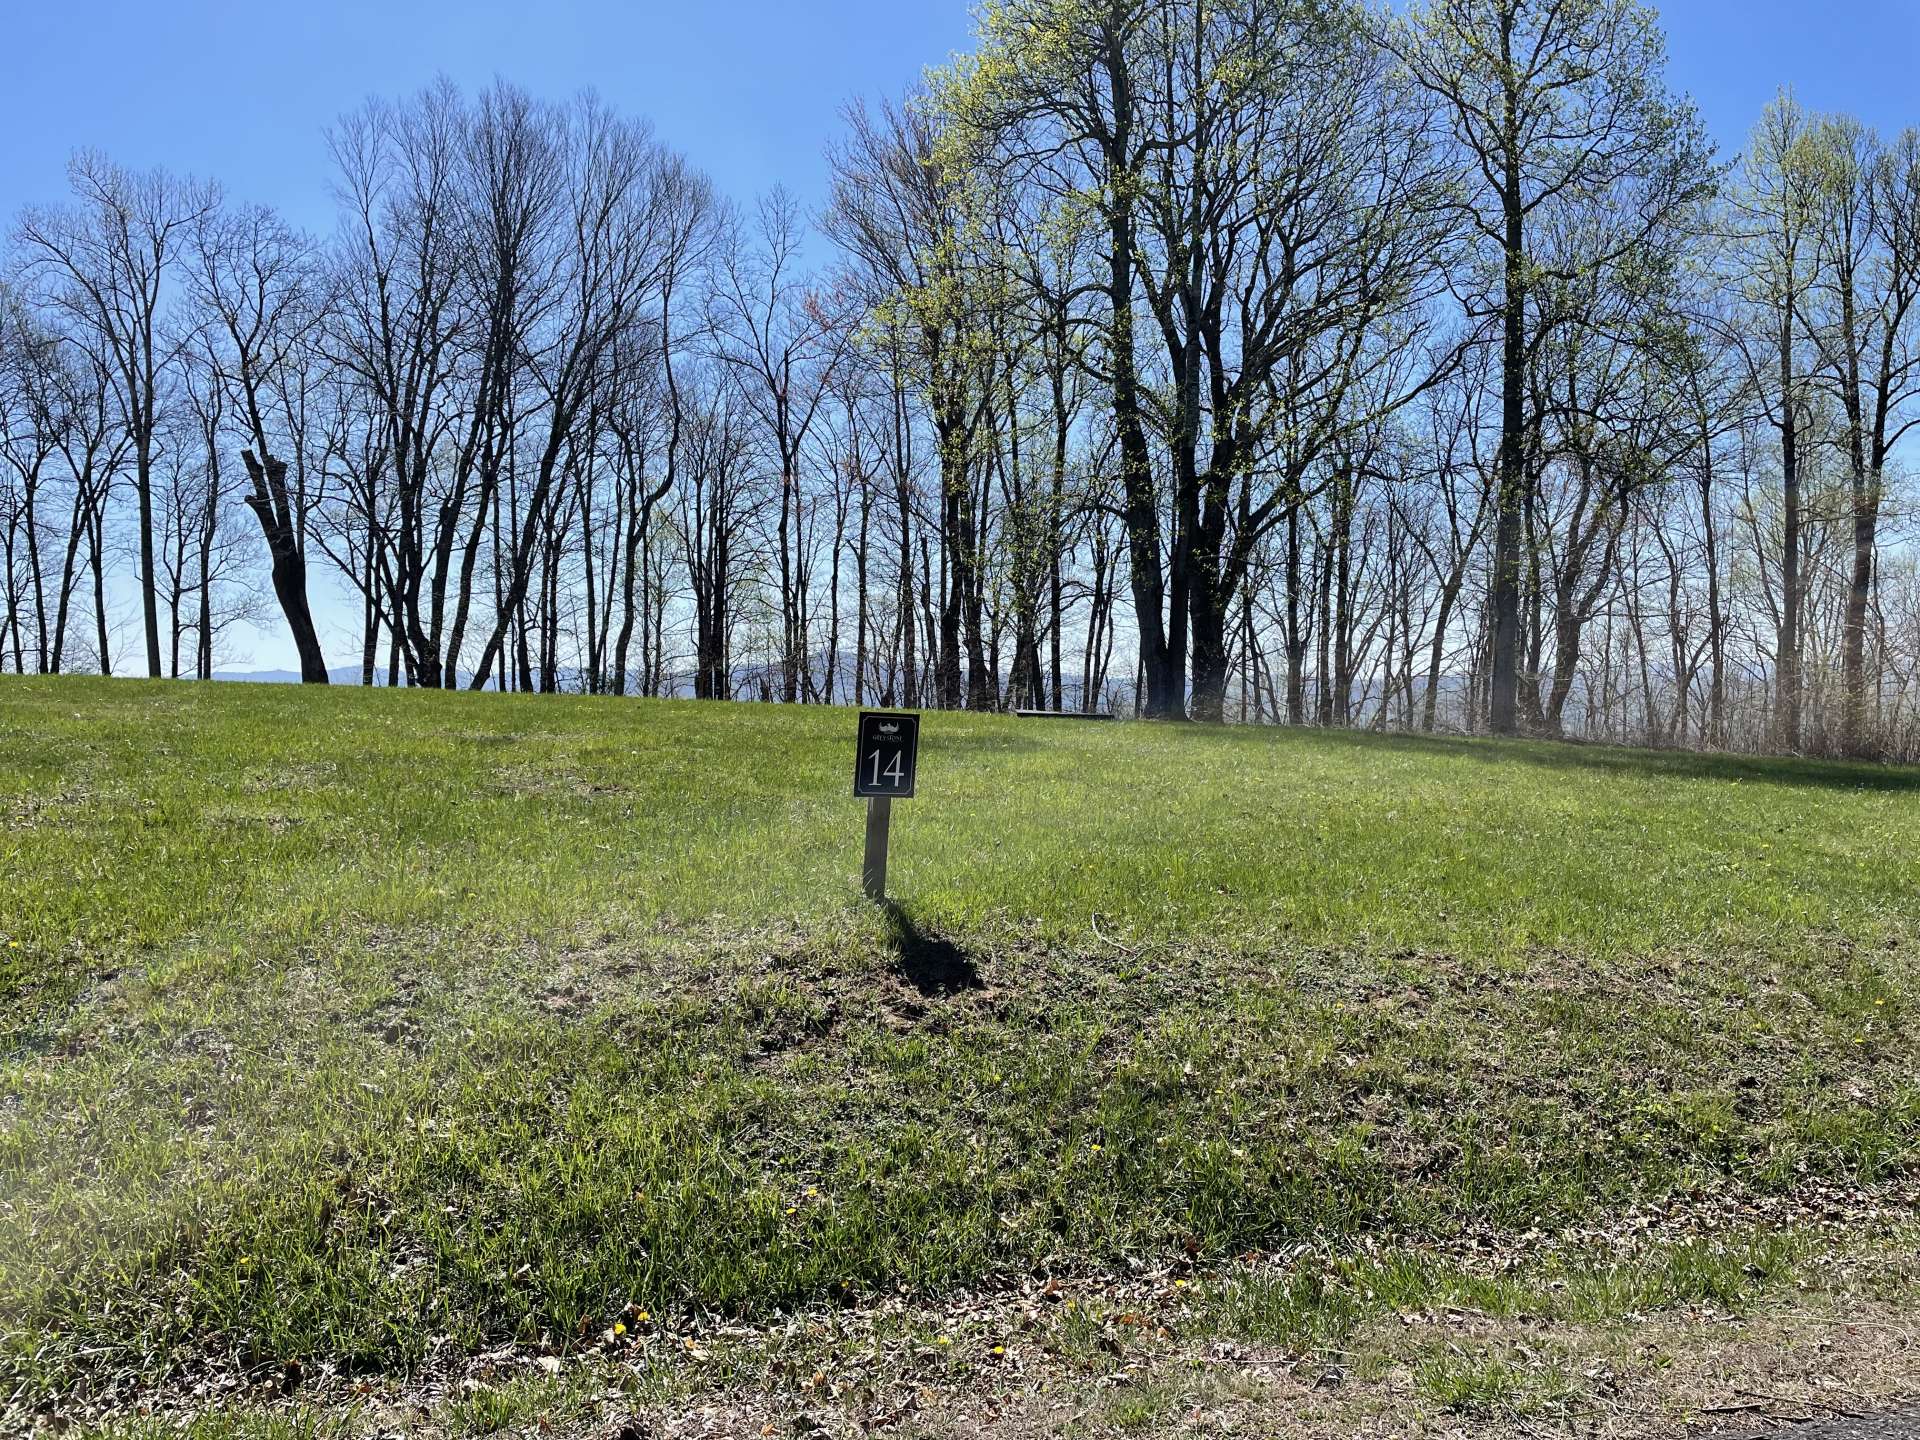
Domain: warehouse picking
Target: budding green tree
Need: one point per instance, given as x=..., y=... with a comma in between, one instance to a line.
x=1552, y=105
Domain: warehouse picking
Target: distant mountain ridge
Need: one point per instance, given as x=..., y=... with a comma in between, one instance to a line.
x=342, y=675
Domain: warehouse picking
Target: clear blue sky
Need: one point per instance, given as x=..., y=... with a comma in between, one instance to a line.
x=748, y=89
x=242, y=92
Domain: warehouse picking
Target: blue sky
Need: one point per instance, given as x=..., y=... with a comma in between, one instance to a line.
x=749, y=89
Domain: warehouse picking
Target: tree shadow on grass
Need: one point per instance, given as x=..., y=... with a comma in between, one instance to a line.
x=1788, y=770
x=934, y=965
x=1571, y=755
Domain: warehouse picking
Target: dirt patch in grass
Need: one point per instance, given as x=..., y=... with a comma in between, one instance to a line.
x=1157, y=1354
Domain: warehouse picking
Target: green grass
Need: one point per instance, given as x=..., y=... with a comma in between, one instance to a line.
x=368, y=1027
x=1494, y=1383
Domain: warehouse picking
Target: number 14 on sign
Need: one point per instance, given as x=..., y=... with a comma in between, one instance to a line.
x=895, y=773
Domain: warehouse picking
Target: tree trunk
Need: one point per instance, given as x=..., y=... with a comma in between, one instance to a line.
x=1504, y=689
x=268, y=503
x=1787, y=647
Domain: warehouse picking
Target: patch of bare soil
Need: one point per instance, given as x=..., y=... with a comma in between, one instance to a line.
x=1143, y=1355
x=1699, y=1375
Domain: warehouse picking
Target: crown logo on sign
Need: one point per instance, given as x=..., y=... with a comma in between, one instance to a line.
x=889, y=727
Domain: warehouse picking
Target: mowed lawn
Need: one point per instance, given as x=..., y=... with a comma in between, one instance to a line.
x=361, y=1027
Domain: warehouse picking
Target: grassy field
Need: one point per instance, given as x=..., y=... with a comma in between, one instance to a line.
x=361, y=1034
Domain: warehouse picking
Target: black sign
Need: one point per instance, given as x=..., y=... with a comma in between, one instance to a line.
x=889, y=746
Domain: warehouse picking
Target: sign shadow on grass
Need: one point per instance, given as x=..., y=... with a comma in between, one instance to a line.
x=931, y=963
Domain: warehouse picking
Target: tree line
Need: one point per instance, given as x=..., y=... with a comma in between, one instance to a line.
x=1289, y=361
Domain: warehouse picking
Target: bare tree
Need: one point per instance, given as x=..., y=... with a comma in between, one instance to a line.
x=103, y=264
x=776, y=335
x=259, y=293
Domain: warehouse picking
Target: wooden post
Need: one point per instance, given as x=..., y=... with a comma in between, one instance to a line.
x=873, y=874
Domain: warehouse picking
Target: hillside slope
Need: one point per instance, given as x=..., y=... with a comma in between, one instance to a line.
x=370, y=1030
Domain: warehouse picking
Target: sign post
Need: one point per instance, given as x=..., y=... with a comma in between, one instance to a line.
x=884, y=762
x=873, y=870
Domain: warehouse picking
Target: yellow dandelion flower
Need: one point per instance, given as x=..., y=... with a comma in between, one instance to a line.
x=618, y=1328
x=944, y=1340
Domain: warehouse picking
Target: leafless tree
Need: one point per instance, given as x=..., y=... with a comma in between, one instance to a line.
x=103, y=264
